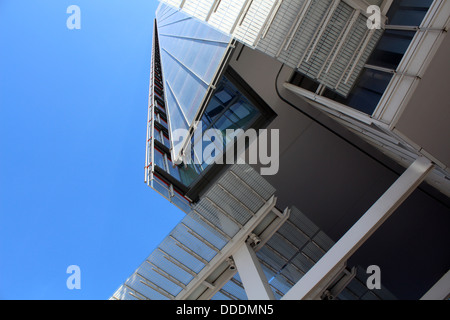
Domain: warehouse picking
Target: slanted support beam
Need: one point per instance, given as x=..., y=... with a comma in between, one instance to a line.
x=440, y=291
x=251, y=273
x=230, y=248
x=309, y=285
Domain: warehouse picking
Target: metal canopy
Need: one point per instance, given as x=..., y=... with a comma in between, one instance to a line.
x=229, y=211
x=192, y=262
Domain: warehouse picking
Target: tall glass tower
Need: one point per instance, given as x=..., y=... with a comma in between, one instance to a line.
x=191, y=84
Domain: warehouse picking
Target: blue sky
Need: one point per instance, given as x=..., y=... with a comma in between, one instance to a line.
x=73, y=111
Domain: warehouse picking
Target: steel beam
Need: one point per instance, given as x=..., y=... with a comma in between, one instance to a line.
x=310, y=284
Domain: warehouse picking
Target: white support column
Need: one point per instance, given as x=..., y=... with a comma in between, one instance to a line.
x=252, y=276
x=309, y=285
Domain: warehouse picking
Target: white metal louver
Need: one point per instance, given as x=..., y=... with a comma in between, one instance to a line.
x=244, y=19
x=327, y=40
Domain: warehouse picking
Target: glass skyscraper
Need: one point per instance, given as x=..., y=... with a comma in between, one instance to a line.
x=192, y=84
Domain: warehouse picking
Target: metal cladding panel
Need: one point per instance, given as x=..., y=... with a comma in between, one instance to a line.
x=282, y=22
x=228, y=204
x=305, y=33
x=163, y=262
x=345, y=87
x=319, y=59
x=146, y=271
x=193, y=243
x=241, y=192
x=144, y=289
x=210, y=212
x=301, y=222
x=234, y=290
x=254, y=180
x=171, y=247
x=292, y=251
x=198, y=8
x=226, y=15
x=254, y=21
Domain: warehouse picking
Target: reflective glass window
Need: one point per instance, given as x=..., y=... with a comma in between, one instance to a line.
x=191, y=53
x=390, y=49
x=166, y=140
x=157, y=135
x=159, y=159
x=408, y=12
x=367, y=93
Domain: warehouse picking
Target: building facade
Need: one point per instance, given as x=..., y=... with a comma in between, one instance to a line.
x=358, y=182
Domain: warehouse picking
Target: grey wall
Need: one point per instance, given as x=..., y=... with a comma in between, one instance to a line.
x=334, y=177
x=426, y=119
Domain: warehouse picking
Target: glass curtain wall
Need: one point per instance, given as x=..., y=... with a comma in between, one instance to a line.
x=191, y=53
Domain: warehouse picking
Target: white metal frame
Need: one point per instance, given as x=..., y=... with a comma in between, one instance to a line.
x=441, y=290
x=232, y=246
x=311, y=284
x=251, y=273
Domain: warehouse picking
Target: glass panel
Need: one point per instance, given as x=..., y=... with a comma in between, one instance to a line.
x=166, y=141
x=191, y=53
x=161, y=187
x=367, y=93
x=228, y=109
x=181, y=202
x=408, y=12
x=159, y=159
x=158, y=135
x=163, y=123
x=173, y=170
x=177, y=120
x=215, y=107
x=304, y=82
x=188, y=173
x=390, y=50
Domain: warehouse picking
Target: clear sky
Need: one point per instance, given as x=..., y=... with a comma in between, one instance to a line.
x=73, y=111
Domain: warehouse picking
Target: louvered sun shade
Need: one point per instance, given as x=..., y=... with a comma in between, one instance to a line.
x=327, y=40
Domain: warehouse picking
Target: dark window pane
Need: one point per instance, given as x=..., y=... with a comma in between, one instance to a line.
x=223, y=96
x=166, y=141
x=157, y=135
x=159, y=159
x=304, y=82
x=173, y=170
x=408, y=12
x=367, y=92
x=390, y=49
x=163, y=123
x=213, y=109
x=188, y=173
x=242, y=113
